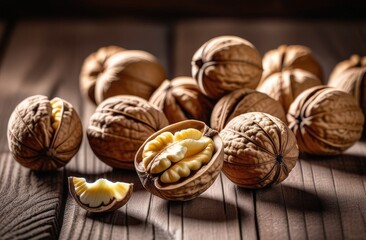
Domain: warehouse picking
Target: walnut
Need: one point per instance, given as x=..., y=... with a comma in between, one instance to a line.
x=285, y=86
x=93, y=67
x=260, y=150
x=291, y=57
x=226, y=63
x=127, y=72
x=180, y=99
x=326, y=121
x=243, y=101
x=101, y=195
x=119, y=126
x=180, y=161
x=44, y=134
x=354, y=62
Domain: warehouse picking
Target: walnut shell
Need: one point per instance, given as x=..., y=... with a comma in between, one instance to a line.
x=354, y=62
x=93, y=67
x=180, y=99
x=285, y=86
x=226, y=63
x=243, y=101
x=130, y=72
x=326, y=121
x=44, y=134
x=291, y=57
x=260, y=150
x=119, y=126
x=192, y=186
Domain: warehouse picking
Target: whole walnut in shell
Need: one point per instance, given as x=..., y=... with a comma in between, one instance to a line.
x=325, y=121
x=260, y=150
x=180, y=99
x=93, y=67
x=354, y=62
x=119, y=126
x=243, y=101
x=287, y=57
x=127, y=72
x=44, y=134
x=285, y=86
x=226, y=63
x=180, y=161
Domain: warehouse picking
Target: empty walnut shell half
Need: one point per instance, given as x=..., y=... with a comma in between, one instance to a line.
x=101, y=195
x=326, y=121
x=243, y=101
x=119, y=126
x=180, y=161
x=260, y=150
x=180, y=99
x=44, y=134
x=93, y=67
x=285, y=86
x=225, y=64
x=291, y=57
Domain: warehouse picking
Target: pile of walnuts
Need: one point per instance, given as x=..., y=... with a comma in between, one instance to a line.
x=260, y=113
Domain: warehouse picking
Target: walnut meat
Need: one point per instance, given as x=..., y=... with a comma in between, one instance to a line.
x=243, y=101
x=226, y=63
x=119, y=126
x=260, y=150
x=326, y=121
x=180, y=99
x=93, y=67
x=180, y=161
x=44, y=134
x=291, y=57
x=285, y=86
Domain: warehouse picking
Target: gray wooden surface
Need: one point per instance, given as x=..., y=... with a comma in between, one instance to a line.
x=322, y=198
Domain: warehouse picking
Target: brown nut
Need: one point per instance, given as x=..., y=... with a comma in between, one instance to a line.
x=101, y=195
x=93, y=67
x=326, y=121
x=44, y=134
x=119, y=126
x=180, y=99
x=285, y=86
x=180, y=161
x=260, y=150
x=130, y=72
x=354, y=62
x=243, y=101
x=291, y=57
x=225, y=64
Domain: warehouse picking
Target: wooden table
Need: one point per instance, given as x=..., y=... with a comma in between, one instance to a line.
x=324, y=197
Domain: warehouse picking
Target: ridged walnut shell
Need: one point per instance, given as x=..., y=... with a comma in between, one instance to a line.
x=285, y=86
x=350, y=77
x=243, y=101
x=180, y=99
x=287, y=57
x=260, y=150
x=325, y=121
x=192, y=186
x=93, y=67
x=226, y=63
x=131, y=72
x=43, y=134
x=119, y=126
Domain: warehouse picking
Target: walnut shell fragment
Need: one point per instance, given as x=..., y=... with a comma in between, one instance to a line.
x=101, y=195
x=180, y=99
x=287, y=57
x=260, y=150
x=325, y=121
x=180, y=161
x=224, y=64
x=119, y=126
x=44, y=134
x=285, y=86
x=243, y=101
